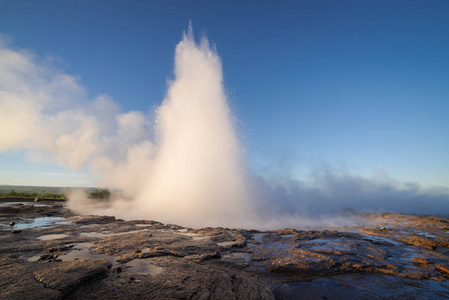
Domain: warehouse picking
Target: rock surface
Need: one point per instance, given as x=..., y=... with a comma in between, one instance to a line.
x=66, y=277
x=60, y=255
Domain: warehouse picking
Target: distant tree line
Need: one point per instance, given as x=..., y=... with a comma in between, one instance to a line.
x=100, y=194
x=96, y=194
x=32, y=195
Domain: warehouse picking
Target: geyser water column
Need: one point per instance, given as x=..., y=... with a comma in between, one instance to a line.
x=199, y=171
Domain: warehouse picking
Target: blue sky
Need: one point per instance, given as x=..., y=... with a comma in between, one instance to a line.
x=363, y=84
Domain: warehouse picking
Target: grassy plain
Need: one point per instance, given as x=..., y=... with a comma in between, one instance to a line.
x=46, y=192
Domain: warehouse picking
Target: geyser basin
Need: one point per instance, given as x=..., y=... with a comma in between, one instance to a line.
x=410, y=251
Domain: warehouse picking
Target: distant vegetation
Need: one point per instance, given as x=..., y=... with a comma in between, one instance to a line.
x=32, y=195
x=27, y=192
x=100, y=194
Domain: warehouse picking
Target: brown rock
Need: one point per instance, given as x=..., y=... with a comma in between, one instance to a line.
x=17, y=282
x=431, y=248
x=443, y=269
x=420, y=260
x=68, y=276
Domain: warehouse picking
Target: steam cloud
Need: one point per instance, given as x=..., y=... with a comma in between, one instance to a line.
x=186, y=166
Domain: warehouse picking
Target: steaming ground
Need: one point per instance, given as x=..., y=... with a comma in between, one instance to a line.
x=185, y=166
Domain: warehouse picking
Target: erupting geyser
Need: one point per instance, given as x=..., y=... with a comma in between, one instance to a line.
x=196, y=175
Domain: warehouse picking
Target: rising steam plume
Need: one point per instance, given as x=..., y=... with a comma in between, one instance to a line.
x=185, y=165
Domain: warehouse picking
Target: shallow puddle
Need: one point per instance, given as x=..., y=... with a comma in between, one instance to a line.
x=325, y=245
x=426, y=234
x=49, y=237
x=82, y=251
x=107, y=234
x=279, y=246
x=194, y=236
x=30, y=203
x=226, y=244
x=79, y=251
x=237, y=256
x=12, y=203
x=379, y=239
x=44, y=222
x=143, y=266
x=258, y=237
x=288, y=235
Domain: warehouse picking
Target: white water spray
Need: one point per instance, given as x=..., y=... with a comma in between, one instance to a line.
x=196, y=175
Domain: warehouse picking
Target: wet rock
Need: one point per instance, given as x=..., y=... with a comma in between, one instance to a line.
x=418, y=240
x=171, y=262
x=68, y=276
x=431, y=247
x=216, y=254
x=60, y=248
x=17, y=209
x=157, y=253
x=287, y=231
x=49, y=257
x=442, y=241
x=17, y=282
x=56, y=249
x=183, y=280
x=45, y=256
x=125, y=258
x=148, y=222
x=443, y=269
x=204, y=257
x=240, y=240
x=420, y=260
x=96, y=220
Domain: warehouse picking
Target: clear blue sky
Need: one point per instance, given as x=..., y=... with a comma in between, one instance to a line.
x=359, y=83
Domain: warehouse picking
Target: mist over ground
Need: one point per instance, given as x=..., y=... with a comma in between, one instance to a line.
x=183, y=162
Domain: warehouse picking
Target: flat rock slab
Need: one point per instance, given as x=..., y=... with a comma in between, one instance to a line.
x=17, y=282
x=67, y=276
x=20, y=279
x=183, y=280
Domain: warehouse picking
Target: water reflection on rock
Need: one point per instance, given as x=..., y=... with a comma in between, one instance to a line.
x=397, y=256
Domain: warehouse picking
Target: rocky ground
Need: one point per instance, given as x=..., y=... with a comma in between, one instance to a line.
x=48, y=252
